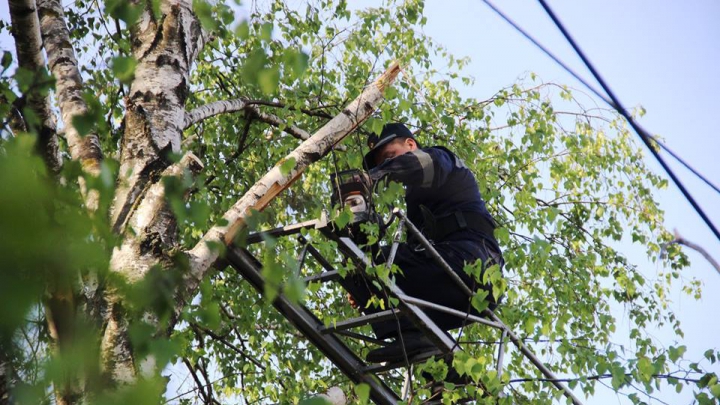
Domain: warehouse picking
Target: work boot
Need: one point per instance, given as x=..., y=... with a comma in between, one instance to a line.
x=414, y=343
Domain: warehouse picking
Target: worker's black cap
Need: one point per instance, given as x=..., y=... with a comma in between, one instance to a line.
x=389, y=133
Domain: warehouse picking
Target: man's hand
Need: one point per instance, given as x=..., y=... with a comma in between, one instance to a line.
x=352, y=301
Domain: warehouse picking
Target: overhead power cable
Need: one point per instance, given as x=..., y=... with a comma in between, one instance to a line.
x=687, y=166
x=646, y=138
x=547, y=51
x=614, y=103
x=590, y=87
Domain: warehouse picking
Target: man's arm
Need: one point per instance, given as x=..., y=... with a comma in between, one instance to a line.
x=421, y=167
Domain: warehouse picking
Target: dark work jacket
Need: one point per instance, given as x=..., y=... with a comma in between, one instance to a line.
x=439, y=180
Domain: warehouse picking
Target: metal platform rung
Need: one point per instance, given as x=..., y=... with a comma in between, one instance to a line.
x=359, y=336
x=379, y=368
x=323, y=277
x=361, y=320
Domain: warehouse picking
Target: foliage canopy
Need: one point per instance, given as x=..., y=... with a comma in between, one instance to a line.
x=567, y=184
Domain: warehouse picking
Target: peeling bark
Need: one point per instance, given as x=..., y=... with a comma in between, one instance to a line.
x=165, y=49
x=149, y=228
x=68, y=89
x=155, y=116
x=151, y=235
x=26, y=30
x=203, y=255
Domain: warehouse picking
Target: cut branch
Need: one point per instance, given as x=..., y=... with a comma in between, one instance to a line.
x=28, y=44
x=204, y=254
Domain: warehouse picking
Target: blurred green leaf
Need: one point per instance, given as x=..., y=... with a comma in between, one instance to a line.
x=123, y=68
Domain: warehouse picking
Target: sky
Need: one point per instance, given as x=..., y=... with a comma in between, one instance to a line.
x=662, y=55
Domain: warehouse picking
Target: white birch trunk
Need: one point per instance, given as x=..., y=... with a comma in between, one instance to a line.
x=68, y=89
x=155, y=116
x=165, y=50
x=203, y=255
x=28, y=44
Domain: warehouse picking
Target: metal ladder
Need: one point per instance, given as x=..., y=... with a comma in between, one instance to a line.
x=327, y=338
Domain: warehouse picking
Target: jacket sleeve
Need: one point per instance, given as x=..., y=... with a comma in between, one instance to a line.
x=422, y=167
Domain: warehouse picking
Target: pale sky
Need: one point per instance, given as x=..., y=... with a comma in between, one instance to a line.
x=663, y=55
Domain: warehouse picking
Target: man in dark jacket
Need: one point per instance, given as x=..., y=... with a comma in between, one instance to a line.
x=443, y=201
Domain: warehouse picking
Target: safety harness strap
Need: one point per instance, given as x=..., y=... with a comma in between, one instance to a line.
x=437, y=228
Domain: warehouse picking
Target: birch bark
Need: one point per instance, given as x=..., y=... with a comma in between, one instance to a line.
x=68, y=89
x=28, y=44
x=165, y=49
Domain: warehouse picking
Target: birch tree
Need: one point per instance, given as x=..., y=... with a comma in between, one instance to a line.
x=139, y=139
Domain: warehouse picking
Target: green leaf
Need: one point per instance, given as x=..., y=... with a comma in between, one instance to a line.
x=203, y=10
x=295, y=62
x=294, y=289
x=646, y=368
x=268, y=80
x=287, y=166
x=715, y=390
x=123, y=10
x=242, y=31
x=344, y=218
x=123, y=68
x=315, y=401
x=709, y=354
x=618, y=376
x=363, y=393
x=676, y=352
x=266, y=31
x=84, y=123
x=6, y=60
x=502, y=234
x=479, y=300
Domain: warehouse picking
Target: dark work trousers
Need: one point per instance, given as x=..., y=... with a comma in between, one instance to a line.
x=423, y=278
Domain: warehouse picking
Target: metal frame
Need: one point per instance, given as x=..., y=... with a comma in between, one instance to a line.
x=325, y=337
x=310, y=326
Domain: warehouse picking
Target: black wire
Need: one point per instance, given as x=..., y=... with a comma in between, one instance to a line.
x=592, y=89
x=614, y=103
x=644, y=136
x=695, y=172
x=546, y=51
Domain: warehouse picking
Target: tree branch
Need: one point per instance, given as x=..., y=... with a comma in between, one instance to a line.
x=600, y=377
x=28, y=44
x=209, y=110
x=14, y=120
x=204, y=254
x=230, y=345
x=68, y=89
x=195, y=377
x=682, y=241
x=275, y=121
